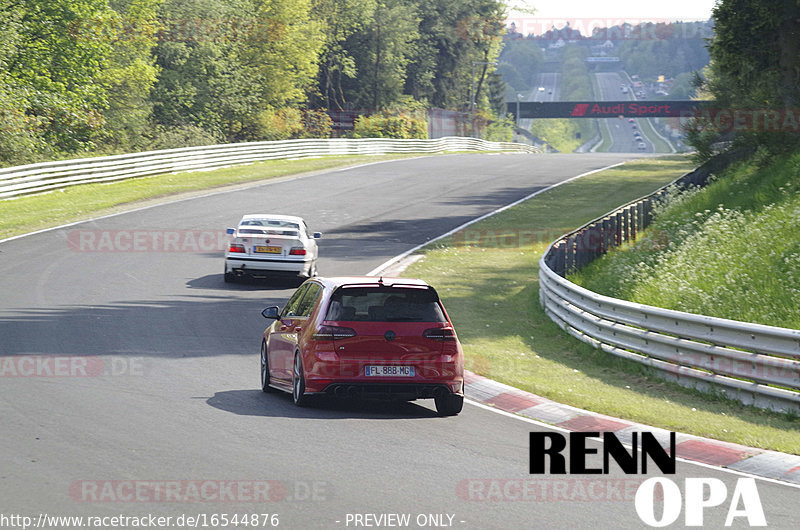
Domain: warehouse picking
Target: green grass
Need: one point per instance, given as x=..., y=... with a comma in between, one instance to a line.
x=487, y=276
x=560, y=133
x=605, y=134
x=35, y=212
x=659, y=145
x=730, y=250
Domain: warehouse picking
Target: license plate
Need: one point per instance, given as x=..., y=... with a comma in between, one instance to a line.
x=389, y=371
x=267, y=250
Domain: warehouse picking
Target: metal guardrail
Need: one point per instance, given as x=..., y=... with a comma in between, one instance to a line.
x=756, y=364
x=45, y=176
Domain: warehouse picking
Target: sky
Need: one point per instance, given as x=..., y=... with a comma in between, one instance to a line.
x=601, y=13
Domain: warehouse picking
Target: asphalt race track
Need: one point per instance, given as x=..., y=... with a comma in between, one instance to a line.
x=172, y=420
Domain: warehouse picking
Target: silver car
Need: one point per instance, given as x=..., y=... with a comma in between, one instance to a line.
x=265, y=245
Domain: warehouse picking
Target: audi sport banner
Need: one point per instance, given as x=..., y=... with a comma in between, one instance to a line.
x=604, y=109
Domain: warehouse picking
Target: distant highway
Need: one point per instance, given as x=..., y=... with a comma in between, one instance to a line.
x=622, y=132
x=550, y=82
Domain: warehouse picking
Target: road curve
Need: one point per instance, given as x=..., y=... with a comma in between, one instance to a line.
x=178, y=404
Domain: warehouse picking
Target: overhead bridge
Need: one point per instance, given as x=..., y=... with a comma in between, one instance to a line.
x=603, y=109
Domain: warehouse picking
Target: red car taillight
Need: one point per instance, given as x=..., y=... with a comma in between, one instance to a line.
x=236, y=247
x=440, y=334
x=297, y=251
x=333, y=333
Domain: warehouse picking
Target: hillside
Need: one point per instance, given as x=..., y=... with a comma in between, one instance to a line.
x=730, y=250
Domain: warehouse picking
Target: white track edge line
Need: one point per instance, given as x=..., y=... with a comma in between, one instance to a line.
x=392, y=261
x=600, y=441
x=395, y=259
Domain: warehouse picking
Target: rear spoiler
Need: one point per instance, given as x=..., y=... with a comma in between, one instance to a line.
x=380, y=284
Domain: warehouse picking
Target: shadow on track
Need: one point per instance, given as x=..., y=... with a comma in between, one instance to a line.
x=278, y=404
x=215, y=281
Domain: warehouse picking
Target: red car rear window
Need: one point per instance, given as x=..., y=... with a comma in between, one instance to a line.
x=385, y=304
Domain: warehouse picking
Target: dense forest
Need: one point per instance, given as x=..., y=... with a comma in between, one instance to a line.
x=82, y=77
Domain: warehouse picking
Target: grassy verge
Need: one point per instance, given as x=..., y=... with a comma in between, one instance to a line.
x=659, y=144
x=488, y=273
x=29, y=213
x=605, y=134
x=558, y=132
x=730, y=250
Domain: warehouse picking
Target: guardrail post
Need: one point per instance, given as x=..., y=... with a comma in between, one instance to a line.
x=595, y=241
x=634, y=222
x=629, y=224
x=623, y=227
x=640, y=216
x=585, y=247
x=569, y=262
x=605, y=224
x=557, y=258
x=648, y=211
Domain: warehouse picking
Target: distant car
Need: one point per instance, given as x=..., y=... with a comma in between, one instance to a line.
x=265, y=245
x=549, y=91
x=541, y=89
x=631, y=120
x=364, y=337
x=641, y=146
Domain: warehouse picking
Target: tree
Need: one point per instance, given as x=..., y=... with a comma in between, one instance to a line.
x=682, y=87
x=497, y=93
x=18, y=140
x=525, y=57
x=57, y=59
x=131, y=72
x=382, y=52
x=454, y=35
x=755, y=63
x=341, y=19
x=756, y=52
x=225, y=61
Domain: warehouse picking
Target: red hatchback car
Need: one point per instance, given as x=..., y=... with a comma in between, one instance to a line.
x=364, y=336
